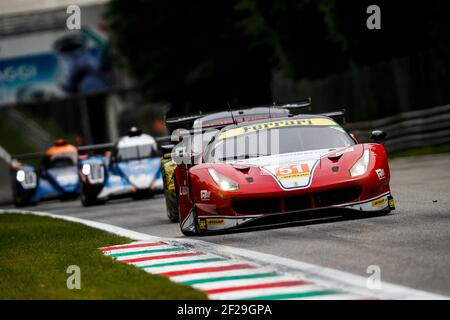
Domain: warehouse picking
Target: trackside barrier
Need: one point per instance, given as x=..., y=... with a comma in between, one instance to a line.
x=29, y=128
x=429, y=127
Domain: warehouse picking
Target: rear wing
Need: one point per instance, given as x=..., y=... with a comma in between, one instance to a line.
x=338, y=115
x=296, y=108
x=93, y=148
x=27, y=156
x=187, y=122
x=82, y=150
x=182, y=122
x=102, y=147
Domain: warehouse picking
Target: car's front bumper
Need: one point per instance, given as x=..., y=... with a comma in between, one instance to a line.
x=221, y=223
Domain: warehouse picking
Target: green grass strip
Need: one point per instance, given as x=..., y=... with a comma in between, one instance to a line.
x=293, y=295
x=132, y=253
x=37, y=251
x=245, y=276
x=175, y=263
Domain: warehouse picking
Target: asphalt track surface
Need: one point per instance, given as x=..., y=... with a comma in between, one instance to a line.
x=411, y=245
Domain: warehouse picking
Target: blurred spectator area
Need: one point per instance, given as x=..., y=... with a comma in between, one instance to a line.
x=25, y=16
x=78, y=116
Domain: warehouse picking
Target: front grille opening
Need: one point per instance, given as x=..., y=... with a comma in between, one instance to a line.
x=337, y=196
x=297, y=203
x=256, y=206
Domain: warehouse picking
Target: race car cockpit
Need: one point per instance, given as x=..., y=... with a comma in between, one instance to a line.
x=56, y=177
x=132, y=168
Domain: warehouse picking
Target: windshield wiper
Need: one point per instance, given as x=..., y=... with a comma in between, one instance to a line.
x=256, y=155
x=245, y=156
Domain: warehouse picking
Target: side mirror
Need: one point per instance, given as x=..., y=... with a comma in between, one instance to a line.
x=354, y=137
x=167, y=147
x=196, y=158
x=176, y=136
x=378, y=135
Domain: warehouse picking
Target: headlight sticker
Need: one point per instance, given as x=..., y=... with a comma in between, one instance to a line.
x=205, y=195
x=380, y=173
x=378, y=202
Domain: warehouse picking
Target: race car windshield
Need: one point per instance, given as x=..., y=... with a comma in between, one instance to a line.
x=61, y=163
x=60, y=160
x=278, y=141
x=137, y=152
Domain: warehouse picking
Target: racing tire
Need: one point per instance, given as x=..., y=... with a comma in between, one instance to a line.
x=385, y=212
x=22, y=202
x=172, y=210
x=19, y=202
x=69, y=197
x=143, y=195
x=173, y=216
x=190, y=233
x=89, y=201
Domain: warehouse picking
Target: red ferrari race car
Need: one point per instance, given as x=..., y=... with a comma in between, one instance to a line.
x=277, y=171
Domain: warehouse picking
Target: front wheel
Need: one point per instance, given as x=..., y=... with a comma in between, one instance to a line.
x=172, y=207
x=171, y=200
x=89, y=201
x=173, y=216
x=190, y=233
x=22, y=201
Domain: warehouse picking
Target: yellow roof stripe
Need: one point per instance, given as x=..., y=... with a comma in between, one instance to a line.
x=277, y=124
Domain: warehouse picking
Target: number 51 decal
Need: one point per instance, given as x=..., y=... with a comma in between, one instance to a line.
x=294, y=170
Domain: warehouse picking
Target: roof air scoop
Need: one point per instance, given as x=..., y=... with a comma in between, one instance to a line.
x=335, y=156
x=241, y=168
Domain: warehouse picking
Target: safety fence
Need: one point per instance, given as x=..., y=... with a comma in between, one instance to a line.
x=428, y=127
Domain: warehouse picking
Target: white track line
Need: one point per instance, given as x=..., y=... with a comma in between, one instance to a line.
x=324, y=276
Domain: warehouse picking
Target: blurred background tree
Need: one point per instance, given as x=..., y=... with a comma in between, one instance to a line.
x=201, y=54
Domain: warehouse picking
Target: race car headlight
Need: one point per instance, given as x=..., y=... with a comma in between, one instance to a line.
x=86, y=169
x=27, y=179
x=224, y=183
x=20, y=176
x=94, y=172
x=360, y=166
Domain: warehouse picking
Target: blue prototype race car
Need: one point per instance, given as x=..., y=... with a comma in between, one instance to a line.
x=56, y=178
x=133, y=168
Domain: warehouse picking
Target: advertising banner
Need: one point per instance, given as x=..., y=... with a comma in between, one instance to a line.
x=53, y=64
